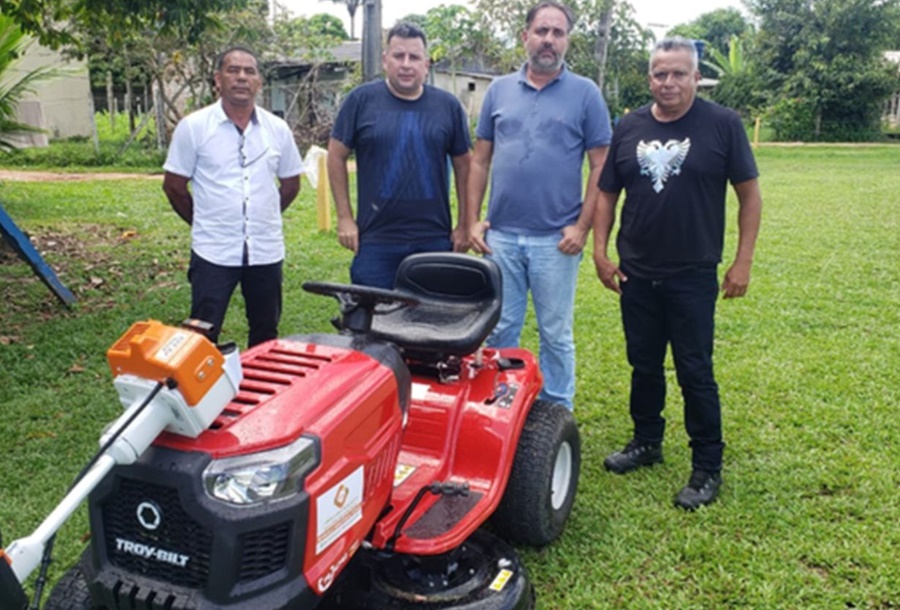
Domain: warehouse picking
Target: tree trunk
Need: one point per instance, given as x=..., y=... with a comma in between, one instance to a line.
x=603, y=43
x=371, y=40
x=110, y=100
x=129, y=102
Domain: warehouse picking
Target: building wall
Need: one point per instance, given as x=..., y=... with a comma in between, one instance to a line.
x=467, y=87
x=64, y=102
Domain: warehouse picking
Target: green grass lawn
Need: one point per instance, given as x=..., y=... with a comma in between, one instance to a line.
x=807, y=364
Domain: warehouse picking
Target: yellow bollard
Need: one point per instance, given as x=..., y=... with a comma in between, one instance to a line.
x=756, y=132
x=323, y=203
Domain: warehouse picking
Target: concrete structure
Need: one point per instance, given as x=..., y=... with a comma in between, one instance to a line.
x=468, y=86
x=62, y=105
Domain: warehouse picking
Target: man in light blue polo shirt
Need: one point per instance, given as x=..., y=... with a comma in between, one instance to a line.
x=535, y=128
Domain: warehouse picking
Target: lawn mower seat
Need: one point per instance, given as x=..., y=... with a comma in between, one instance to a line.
x=459, y=296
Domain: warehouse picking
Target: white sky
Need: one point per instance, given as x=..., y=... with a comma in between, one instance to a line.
x=658, y=15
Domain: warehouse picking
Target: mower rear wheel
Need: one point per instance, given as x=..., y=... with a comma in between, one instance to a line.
x=541, y=489
x=484, y=573
x=71, y=592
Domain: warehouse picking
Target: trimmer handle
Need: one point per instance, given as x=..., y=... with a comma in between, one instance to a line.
x=12, y=595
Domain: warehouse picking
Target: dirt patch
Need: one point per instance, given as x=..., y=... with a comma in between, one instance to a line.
x=61, y=246
x=96, y=262
x=13, y=175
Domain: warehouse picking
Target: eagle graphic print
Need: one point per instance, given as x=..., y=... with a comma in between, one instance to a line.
x=660, y=161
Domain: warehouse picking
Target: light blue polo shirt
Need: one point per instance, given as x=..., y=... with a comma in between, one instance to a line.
x=539, y=142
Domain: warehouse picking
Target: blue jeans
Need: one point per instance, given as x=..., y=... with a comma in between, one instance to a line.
x=534, y=263
x=680, y=312
x=376, y=264
x=212, y=286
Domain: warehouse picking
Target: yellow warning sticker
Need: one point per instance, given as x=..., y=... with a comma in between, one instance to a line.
x=501, y=579
x=403, y=472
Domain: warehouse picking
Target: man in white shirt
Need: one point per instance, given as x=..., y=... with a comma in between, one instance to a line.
x=244, y=170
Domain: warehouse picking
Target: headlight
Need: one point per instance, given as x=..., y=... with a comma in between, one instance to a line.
x=261, y=477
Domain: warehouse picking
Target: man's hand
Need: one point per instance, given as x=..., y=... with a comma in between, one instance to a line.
x=736, y=281
x=348, y=234
x=476, y=237
x=460, y=238
x=573, y=238
x=609, y=273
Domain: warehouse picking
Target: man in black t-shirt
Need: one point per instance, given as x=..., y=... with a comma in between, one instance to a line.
x=674, y=159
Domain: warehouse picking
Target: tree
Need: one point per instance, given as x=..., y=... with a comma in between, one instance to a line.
x=625, y=85
x=715, y=28
x=508, y=18
x=822, y=63
x=351, y=5
x=461, y=38
x=738, y=86
x=13, y=85
x=328, y=25
x=56, y=23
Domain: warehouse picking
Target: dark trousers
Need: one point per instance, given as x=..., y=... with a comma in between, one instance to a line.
x=212, y=286
x=376, y=264
x=680, y=312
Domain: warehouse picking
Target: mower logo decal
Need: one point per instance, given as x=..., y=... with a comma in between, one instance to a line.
x=340, y=498
x=403, y=472
x=151, y=552
x=325, y=582
x=149, y=515
x=500, y=580
x=338, y=509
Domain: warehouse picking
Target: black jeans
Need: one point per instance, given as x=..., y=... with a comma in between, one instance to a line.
x=212, y=286
x=679, y=311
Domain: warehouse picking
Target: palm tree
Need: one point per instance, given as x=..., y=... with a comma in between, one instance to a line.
x=733, y=64
x=351, y=5
x=14, y=85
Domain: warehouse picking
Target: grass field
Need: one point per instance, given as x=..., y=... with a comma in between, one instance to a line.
x=808, y=364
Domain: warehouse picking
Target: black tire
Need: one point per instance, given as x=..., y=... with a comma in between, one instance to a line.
x=484, y=574
x=544, y=479
x=71, y=592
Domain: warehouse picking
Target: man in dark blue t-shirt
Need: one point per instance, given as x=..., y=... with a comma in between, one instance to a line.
x=403, y=131
x=674, y=159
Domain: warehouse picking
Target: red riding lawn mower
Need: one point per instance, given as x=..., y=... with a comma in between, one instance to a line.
x=333, y=471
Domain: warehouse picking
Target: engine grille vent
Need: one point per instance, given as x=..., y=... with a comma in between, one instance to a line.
x=175, y=537
x=264, y=551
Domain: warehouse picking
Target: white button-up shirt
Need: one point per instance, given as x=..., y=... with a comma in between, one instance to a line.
x=237, y=205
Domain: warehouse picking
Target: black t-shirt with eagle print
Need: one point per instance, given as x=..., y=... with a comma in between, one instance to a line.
x=675, y=177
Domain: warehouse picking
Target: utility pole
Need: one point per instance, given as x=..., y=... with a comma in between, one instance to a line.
x=371, y=40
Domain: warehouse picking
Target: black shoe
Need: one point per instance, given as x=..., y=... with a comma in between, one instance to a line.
x=702, y=489
x=633, y=456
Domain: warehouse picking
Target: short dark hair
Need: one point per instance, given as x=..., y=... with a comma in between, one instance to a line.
x=220, y=60
x=404, y=29
x=570, y=16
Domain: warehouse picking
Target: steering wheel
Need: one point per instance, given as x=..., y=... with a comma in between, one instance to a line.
x=360, y=303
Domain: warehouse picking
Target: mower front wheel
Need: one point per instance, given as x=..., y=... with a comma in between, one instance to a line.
x=71, y=592
x=484, y=573
x=544, y=478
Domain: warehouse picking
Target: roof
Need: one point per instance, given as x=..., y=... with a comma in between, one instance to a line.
x=349, y=51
